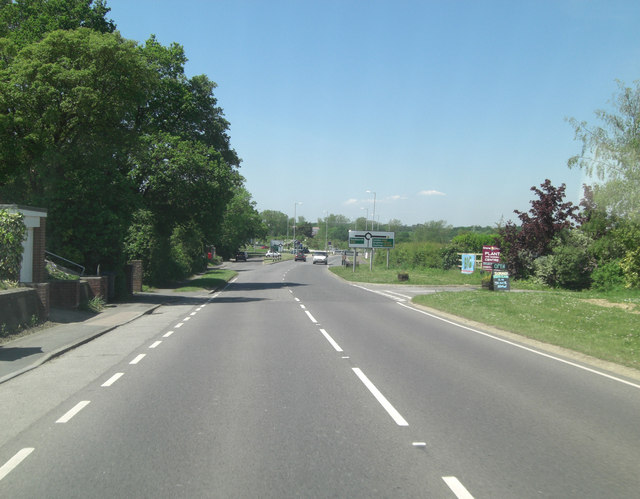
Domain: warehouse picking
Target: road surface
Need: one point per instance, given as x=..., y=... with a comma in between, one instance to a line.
x=292, y=383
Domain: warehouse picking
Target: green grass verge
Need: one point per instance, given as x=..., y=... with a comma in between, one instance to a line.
x=212, y=279
x=602, y=325
x=434, y=277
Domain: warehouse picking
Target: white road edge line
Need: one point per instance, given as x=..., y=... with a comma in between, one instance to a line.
x=311, y=317
x=12, y=463
x=379, y=293
x=457, y=488
x=112, y=379
x=399, y=294
x=532, y=350
x=79, y=406
x=331, y=340
x=400, y=421
x=138, y=359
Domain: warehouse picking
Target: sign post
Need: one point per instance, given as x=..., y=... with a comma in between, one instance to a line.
x=370, y=239
x=500, y=277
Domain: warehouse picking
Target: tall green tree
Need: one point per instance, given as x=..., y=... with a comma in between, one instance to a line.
x=23, y=22
x=611, y=153
x=67, y=111
x=240, y=224
x=276, y=222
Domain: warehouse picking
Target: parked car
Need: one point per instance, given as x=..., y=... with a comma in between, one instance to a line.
x=321, y=257
x=242, y=255
x=272, y=254
x=300, y=256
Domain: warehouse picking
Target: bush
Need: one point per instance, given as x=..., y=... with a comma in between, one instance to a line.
x=608, y=276
x=12, y=233
x=569, y=265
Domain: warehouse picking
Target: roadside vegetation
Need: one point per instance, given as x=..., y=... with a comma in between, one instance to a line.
x=426, y=276
x=604, y=325
x=212, y=279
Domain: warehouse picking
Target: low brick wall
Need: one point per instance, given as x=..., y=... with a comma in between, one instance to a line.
x=19, y=307
x=72, y=294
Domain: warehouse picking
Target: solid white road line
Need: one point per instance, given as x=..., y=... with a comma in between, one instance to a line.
x=138, y=359
x=399, y=294
x=112, y=379
x=311, y=317
x=155, y=344
x=381, y=293
x=331, y=340
x=12, y=463
x=537, y=352
x=457, y=488
x=79, y=406
x=400, y=421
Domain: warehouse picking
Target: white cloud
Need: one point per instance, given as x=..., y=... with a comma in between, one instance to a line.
x=396, y=197
x=351, y=201
x=431, y=193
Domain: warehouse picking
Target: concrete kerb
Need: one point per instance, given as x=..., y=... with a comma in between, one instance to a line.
x=75, y=344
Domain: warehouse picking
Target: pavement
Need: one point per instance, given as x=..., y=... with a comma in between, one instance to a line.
x=71, y=328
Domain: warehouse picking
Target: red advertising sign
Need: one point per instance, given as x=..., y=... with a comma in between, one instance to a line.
x=490, y=255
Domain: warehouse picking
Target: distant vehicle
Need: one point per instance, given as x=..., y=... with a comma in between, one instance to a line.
x=272, y=254
x=300, y=256
x=242, y=255
x=321, y=257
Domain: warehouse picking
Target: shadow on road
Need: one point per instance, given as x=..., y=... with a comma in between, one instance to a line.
x=15, y=353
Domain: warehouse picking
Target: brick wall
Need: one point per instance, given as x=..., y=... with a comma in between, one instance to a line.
x=42, y=290
x=65, y=294
x=98, y=286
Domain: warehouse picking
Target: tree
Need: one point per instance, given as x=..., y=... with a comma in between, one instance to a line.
x=240, y=224
x=276, y=222
x=433, y=231
x=611, y=152
x=23, y=22
x=548, y=216
x=67, y=108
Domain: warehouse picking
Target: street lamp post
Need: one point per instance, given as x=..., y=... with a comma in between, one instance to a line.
x=366, y=220
x=373, y=218
x=295, y=206
x=326, y=228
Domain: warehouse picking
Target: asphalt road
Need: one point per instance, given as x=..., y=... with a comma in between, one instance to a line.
x=291, y=383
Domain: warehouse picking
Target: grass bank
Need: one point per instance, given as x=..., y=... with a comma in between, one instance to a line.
x=605, y=326
x=427, y=276
x=212, y=279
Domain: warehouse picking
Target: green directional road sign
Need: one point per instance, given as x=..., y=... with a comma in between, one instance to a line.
x=371, y=239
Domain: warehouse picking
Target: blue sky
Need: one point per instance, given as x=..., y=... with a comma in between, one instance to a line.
x=447, y=110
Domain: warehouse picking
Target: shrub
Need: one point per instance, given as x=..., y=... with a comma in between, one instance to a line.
x=569, y=265
x=608, y=276
x=12, y=233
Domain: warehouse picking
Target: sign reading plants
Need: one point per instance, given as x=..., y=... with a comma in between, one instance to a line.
x=490, y=255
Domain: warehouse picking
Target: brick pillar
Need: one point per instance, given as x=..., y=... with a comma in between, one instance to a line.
x=136, y=276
